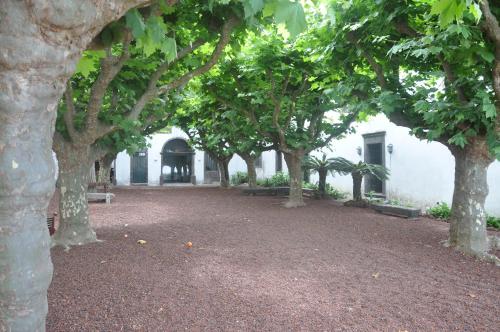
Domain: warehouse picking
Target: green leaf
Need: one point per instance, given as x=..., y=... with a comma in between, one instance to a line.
x=486, y=55
x=458, y=139
x=292, y=15
x=446, y=9
x=169, y=48
x=156, y=28
x=85, y=66
x=252, y=7
x=135, y=23
x=489, y=109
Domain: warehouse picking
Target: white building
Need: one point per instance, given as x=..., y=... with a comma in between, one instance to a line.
x=170, y=160
x=422, y=173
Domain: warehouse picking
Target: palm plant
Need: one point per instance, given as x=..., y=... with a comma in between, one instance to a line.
x=321, y=166
x=358, y=171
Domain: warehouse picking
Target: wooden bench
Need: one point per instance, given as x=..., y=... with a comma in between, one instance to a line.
x=399, y=211
x=276, y=191
x=99, y=197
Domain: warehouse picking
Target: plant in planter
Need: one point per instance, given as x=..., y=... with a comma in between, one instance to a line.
x=358, y=171
x=320, y=166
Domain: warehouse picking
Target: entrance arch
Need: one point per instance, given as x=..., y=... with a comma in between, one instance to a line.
x=176, y=162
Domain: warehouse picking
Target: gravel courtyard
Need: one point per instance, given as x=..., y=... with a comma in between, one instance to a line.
x=257, y=266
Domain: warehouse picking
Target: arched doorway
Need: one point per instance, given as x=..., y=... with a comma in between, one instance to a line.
x=176, y=162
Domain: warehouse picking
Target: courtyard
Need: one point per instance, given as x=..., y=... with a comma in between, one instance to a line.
x=255, y=265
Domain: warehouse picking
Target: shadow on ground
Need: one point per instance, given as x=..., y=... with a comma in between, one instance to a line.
x=256, y=266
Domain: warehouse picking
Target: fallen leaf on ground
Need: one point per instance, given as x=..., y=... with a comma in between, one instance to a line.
x=375, y=275
x=141, y=241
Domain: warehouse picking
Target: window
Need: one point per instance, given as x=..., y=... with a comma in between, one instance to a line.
x=258, y=162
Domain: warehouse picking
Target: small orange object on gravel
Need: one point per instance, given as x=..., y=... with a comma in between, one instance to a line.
x=189, y=244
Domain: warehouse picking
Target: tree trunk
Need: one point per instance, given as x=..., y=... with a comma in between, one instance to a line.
x=42, y=53
x=322, y=182
x=105, y=168
x=294, y=164
x=224, y=172
x=252, y=175
x=468, y=217
x=357, y=178
x=74, y=223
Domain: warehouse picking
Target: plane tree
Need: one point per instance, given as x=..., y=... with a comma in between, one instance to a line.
x=44, y=41
x=438, y=78
x=130, y=77
x=284, y=94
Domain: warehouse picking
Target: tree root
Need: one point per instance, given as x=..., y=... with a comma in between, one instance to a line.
x=290, y=204
x=484, y=256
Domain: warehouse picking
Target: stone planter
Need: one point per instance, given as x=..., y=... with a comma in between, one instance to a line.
x=395, y=210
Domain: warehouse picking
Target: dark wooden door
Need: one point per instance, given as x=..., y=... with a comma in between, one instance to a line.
x=374, y=154
x=139, y=167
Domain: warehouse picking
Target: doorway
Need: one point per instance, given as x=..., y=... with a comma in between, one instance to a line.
x=139, y=167
x=176, y=162
x=374, y=154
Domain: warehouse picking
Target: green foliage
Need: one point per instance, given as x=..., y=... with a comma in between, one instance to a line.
x=335, y=193
x=344, y=166
x=441, y=211
x=280, y=179
x=330, y=190
x=492, y=221
x=318, y=164
x=239, y=178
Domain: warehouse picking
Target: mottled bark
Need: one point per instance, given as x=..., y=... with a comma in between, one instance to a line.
x=294, y=164
x=357, y=179
x=40, y=42
x=252, y=175
x=105, y=163
x=74, y=223
x=322, y=182
x=223, y=165
x=468, y=217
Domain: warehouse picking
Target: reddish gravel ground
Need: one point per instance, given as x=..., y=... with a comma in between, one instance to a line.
x=256, y=266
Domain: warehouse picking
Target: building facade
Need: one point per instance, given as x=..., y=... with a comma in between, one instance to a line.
x=422, y=173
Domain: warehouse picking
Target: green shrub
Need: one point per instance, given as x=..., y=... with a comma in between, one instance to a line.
x=493, y=222
x=239, y=178
x=335, y=193
x=309, y=185
x=279, y=179
x=440, y=211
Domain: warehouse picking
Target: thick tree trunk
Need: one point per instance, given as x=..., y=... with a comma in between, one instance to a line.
x=294, y=164
x=105, y=169
x=468, y=217
x=322, y=182
x=41, y=42
x=224, y=172
x=357, y=178
x=74, y=223
x=252, y=175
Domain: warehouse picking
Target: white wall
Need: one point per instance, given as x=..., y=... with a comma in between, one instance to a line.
x=421, y=172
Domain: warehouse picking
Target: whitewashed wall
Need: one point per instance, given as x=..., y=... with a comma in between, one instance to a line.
x=421, y=172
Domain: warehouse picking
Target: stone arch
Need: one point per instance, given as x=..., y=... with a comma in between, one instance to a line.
x=177, y=162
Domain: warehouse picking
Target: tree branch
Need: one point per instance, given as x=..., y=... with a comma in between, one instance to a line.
x=277, y=110
x=110, y=67
x=228, y=27
x=70, y=112
x=492, y=29
x=152, y=90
